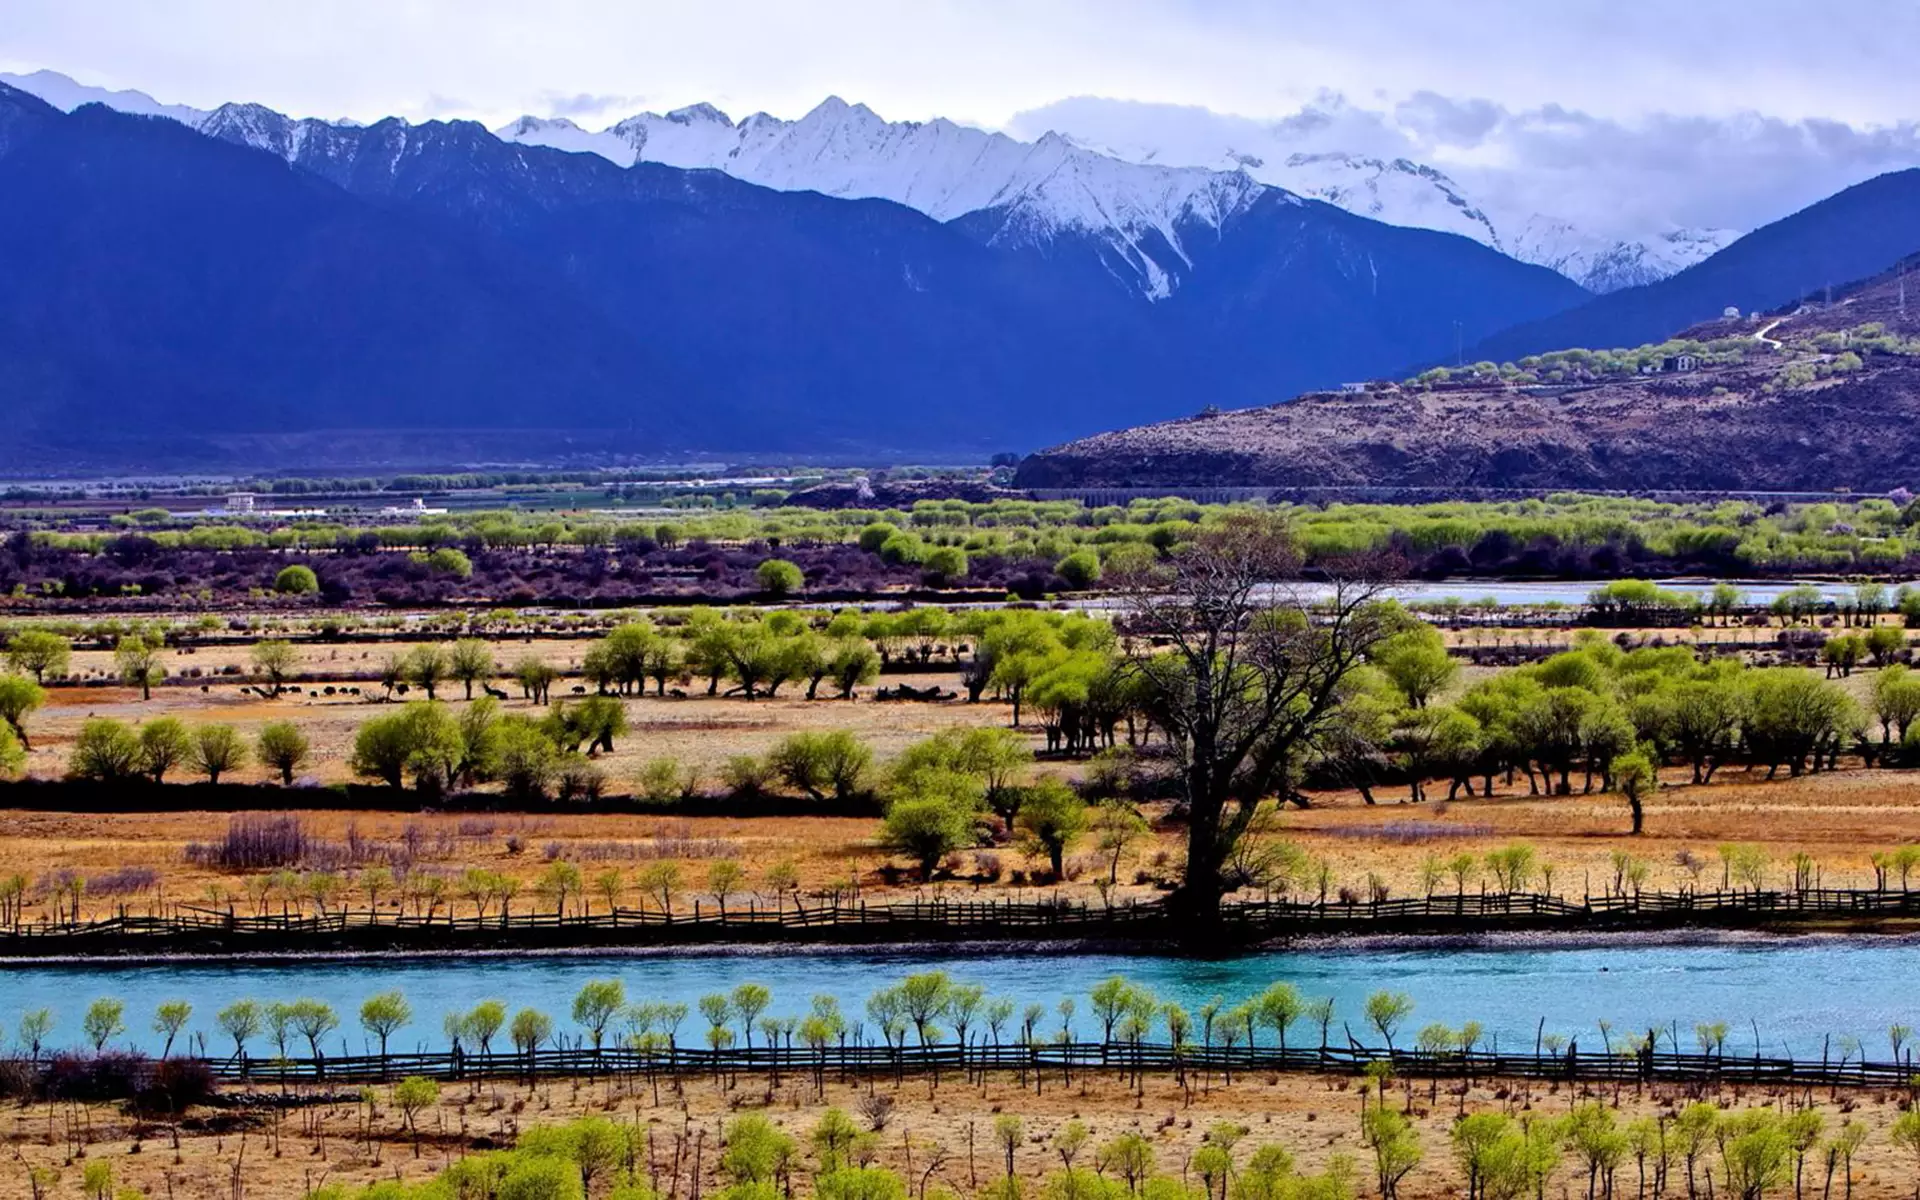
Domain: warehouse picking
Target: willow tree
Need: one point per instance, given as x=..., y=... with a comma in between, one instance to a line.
x=1245, y=676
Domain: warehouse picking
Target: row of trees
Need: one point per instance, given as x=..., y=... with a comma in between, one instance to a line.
x=1499, y=1154
x=1606, y=715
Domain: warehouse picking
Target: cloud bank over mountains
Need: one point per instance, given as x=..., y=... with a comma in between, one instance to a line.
x=1613, y=177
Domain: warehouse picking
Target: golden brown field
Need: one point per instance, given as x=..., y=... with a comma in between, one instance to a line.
x=1837, y=819
x=944, y=1135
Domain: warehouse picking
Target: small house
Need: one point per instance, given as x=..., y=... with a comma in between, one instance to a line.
x=1680, y=363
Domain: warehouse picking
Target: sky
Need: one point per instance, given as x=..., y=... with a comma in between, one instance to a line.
x=1723, y=110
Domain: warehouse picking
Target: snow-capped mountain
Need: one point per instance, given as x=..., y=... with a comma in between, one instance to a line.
x=66, y=95
x=1402, y=192
x=1059, y=183
x=1041, y=189
x=1140, y=202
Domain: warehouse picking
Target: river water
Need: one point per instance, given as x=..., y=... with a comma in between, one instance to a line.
x=1795, y=990
x=1509, y=593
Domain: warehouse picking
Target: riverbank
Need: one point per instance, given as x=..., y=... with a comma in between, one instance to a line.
x=1148, y=925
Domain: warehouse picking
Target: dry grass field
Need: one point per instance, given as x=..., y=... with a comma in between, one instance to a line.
x=945, y=1136
x=1836, y=819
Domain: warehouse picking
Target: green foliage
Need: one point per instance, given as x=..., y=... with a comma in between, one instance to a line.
x=281, y=746
x=164, y=742
x=18, y=697
x=930, y=816
x=1081, y=569
x=296, y=580
x=779, y=578
x=105, y=1020
x=823, y=765
x=216, y=750
x=422, y=739
x=385, y=1014
x=946, y=563
x=39, y=653
x=106, y=751
x=1051, y=816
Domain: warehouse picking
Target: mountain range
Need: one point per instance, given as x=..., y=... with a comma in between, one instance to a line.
x=206, y=289
x=1131, y=194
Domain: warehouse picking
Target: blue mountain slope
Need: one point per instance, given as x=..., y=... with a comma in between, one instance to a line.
x=1847, y=236
x=283, y=277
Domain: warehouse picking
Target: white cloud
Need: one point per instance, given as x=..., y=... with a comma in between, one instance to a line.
x=1617, y=176
x=1718, y=112
x=986, y=59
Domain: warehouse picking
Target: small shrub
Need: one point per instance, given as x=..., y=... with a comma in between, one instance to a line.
x=745, y=775
x=177, y=1084
x=254, y=841
x=296, y=581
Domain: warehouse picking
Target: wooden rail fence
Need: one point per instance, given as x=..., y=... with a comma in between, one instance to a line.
x=188, y=928
x=1066, y=1058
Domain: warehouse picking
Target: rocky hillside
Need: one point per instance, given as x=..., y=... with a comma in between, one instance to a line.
x=1819, y=399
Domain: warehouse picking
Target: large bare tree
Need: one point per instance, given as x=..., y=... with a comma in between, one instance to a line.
x=1244, y=674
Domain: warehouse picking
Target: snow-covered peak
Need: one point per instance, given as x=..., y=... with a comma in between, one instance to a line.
x=253, y=125
x=1396, y=190
x=1039, y=189
x=66, y=94
x=700, y=114
x=1609, y=264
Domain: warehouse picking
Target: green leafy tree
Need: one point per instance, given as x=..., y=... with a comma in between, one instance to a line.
x=946, y=563
x=314, y=1019
x=296, y=580
x=383, y=1015
x=850, y=663
x=1416, y=662
x=275, y=661
x=138, y=662
x=107, y=751
x=597, y=1004
x=13, y=756
x=779, y=578
x=412, y=1096
x=536, y=678
x=1081, y=569
x=168, y=1020
x=164, y=743
x=18, y=697
x=530, y=1028
x=822, y=765
x=421, y=740
x=282, y=747
x=38, y=653
x=217, y=749
x=105, y=1020
x=427, y=667
x=931, y=819
x=1637, y=780
x=1052, y=815
x=241, y=1022
x=1395, y=1145
x=1386, y=1011
x=523, y=758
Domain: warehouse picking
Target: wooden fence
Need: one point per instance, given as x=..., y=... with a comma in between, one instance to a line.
x=187, y=928
x=1627, y=1066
